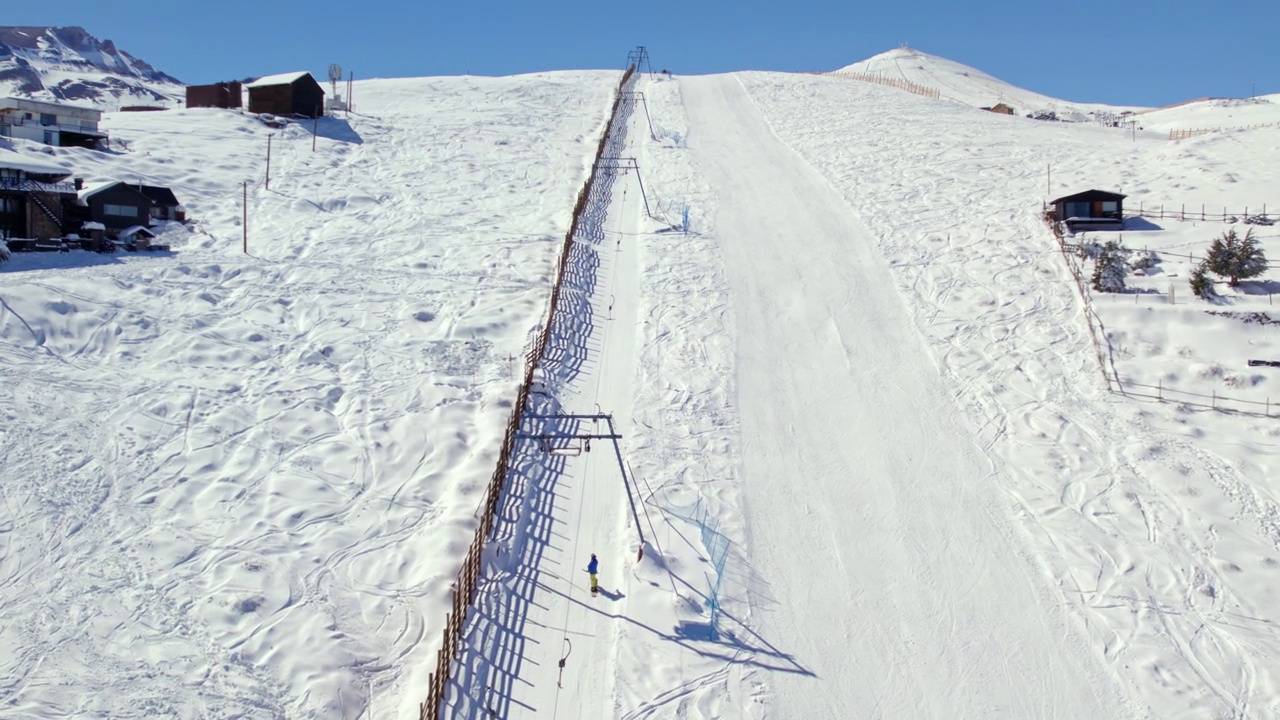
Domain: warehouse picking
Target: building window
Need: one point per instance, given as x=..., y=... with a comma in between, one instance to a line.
x=48, y=119
x=8, y=206
x=1077, y=209
x=6, y=130
x=48, y=137
x=120, y=210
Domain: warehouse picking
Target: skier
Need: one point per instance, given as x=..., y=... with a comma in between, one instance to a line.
x=592, y=568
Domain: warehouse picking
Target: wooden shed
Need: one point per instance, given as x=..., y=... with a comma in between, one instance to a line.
x=296, y=94
x=1091, y=208
x=1002, y=109
x=217, y=95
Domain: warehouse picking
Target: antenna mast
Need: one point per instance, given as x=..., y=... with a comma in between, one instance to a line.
x=335, y=98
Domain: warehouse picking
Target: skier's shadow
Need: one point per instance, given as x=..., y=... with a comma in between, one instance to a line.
x=614, y=596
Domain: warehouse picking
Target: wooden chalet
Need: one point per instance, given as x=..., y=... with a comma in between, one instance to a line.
x=293, y=94
x=1091, y=209
x=117, y=206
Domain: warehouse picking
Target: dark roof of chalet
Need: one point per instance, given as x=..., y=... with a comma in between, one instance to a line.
x=90, y=190
x=160, y=195
x=1089, y=195
x=154, y=193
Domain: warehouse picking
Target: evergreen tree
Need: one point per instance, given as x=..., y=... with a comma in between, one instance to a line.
x=1236, y=258
x=1110, y=269
x=1201, y=283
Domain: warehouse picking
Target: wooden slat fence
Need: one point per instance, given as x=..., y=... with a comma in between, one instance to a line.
x=1096, y=331
x=1203, y=213
x=899, y=83
x=1190, y=133
x=465, y=586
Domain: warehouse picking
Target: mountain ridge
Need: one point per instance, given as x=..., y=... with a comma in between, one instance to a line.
x=68, y=64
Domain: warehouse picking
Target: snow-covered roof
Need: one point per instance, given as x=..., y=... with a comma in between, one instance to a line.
x=91, y=189
x=28, y=104
x=134, y=230
x=93, y=226
x=18, y=161
x=281, y=79
x=1092, y=192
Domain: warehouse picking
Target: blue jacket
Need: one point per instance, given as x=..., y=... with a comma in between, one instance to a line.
x=593, y=566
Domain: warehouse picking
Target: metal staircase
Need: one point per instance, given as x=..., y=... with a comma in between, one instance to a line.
x=40, y=195
x=46, y=202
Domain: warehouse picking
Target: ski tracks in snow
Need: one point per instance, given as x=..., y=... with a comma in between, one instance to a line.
x=1145, y=532
x=254, y=470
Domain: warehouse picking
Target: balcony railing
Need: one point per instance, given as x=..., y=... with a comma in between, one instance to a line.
x=28, y=185
x=85, y=128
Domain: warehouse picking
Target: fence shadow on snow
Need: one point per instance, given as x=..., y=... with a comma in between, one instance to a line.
x=517, y=519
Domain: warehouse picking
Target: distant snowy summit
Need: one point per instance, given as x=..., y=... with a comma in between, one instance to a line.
x=959, y=82
x=68, y=64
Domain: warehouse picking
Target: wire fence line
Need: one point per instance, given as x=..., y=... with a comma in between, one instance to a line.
x=1191, y=399
x=1105, y=354
x=1170, y=297
x=464, y=587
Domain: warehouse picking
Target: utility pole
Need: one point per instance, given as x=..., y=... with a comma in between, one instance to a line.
x=269, y=160
x=244, y=223
x=315, y=128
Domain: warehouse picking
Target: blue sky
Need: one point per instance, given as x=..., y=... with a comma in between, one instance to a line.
x=1141, y=52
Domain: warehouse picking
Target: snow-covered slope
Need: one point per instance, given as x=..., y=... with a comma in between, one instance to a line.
x=237, y=485
x=1216, y=114
x=957, y=81
x=241, y=485
x=67, y=63
x=1155, y=523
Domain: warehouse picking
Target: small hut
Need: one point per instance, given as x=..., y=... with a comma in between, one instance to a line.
x=1091, y=209
x=218, y=95
x=296, y=94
